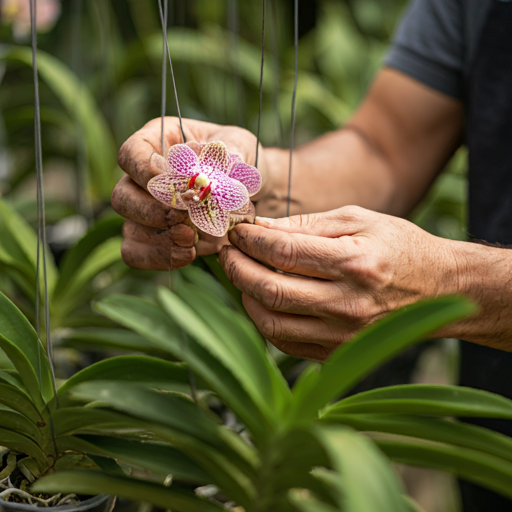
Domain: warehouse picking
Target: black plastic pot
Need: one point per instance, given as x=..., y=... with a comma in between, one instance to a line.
x=101, y=503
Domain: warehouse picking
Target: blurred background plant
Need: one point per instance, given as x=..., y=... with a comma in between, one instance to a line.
x=100, y=66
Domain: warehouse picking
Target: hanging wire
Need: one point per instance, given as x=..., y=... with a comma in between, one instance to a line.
x=162, y=21
x=276, y=68
x=41, y=217
x=164, y=74
x=294, y=101
x=261, y=80
x=234, y=30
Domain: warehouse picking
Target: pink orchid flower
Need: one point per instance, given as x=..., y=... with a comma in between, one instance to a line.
x=209, y=182
x=17, y=12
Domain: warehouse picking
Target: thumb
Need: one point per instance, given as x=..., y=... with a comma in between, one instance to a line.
x=347, y=220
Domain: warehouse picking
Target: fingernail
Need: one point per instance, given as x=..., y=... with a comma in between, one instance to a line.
x=264, y=221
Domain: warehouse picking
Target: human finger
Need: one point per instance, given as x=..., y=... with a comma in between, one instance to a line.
x=348, y=220
x=179, y=235
x=145, y=256
x=297, y=253
x=306, y=337
x=280, y=292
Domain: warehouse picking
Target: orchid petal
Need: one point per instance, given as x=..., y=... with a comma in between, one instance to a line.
x=247, y=175
x=182, y=161
x=247, y=209
x=231, y=194
x=168, y=189
x=196, y=146
x=216, y=156
x=234, y=158
x=209, y=217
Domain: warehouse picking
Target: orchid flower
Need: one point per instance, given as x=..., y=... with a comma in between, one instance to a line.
x=17, y=12
x=208, y=181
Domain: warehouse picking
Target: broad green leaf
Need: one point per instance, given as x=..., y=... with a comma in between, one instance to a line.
x=150, y=321
x=102, y=257
x=25, y=370
x=130, y=369
x=442, y=431
x=19, y=401
x=237, y=343
x=81, y=105
x=479, y=468
x=212, y=261
x=16, y=328
x=159, y=458
x=110, y=339
x=376, y=345
x=22, y=444
x=12, y=420
x=95, y=482
x=75, y=257
x=367, y=480
x=13, y=378
x=426, y=400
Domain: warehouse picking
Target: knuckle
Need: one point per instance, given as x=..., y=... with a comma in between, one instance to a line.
x=271, y=327
x=271, y=294
x=286, y=254
x=352, y=212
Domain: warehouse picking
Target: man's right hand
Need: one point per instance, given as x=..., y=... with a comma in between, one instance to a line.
x=157, y=237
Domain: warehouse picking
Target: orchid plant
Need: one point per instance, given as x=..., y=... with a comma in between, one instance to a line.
x=213, y=184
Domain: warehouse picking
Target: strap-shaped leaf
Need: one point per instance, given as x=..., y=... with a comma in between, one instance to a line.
x=25, y=370
x=439, y=430
x=71, y=295
x=22, y=444
x=13, y=378
x=377, y=344
x=131, y=369
x=74, y=258
x=17, y=329
x=307, y=503
x=150, y=321
x=241, y=347
x=12, y=420
x=479, y=468
x=426, y=400
x=159, y=458
x=19, y=401
x=95, y=482
x=367, y=480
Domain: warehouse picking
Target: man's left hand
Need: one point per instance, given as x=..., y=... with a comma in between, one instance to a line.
x=344, y=269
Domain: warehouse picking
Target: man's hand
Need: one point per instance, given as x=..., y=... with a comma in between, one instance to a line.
x=155, y=236
x=345, y=269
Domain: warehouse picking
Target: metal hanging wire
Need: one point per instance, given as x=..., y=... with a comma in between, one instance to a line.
x=41, y=216
x=264, y=9
x=164, y=75
x=164, y=25
x=294, y=100
x=274, y=40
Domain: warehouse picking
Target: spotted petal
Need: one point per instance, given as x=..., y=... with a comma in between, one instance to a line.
x=209, y=217
x=182, y=160
x=216, y=156
x=168, y=189
x=248, y=175
x=230, y=194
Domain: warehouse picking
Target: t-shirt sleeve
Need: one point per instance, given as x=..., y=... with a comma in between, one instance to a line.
x=429, y=44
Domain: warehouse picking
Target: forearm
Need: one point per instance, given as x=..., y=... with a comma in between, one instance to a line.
x=337, y=169
x=484, y=275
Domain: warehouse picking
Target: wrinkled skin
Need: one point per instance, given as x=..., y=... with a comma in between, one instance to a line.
x=156, y=236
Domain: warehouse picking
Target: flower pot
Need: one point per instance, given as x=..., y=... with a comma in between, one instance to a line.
x=101, y=503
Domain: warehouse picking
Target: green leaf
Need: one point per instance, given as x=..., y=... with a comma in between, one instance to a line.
x=12, y=420
x=16, y=328
x=75, y=257
x=13, y=378
x=232, y=340
x=376, y=345
x=159, y=458
x=110, y=339
x=19, y=401
x=25, y=370
x=22, y=444
x=442, y=431
x=426, y=400
x=212, y=261
x=130, y=369
x=306, y=503
x=367, y=480
x=95, y=482
x=482, y=469
x=80, y=104
x=68, y=296
x=150, y=321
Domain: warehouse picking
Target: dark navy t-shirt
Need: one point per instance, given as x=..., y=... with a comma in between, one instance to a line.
x=436, y=41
